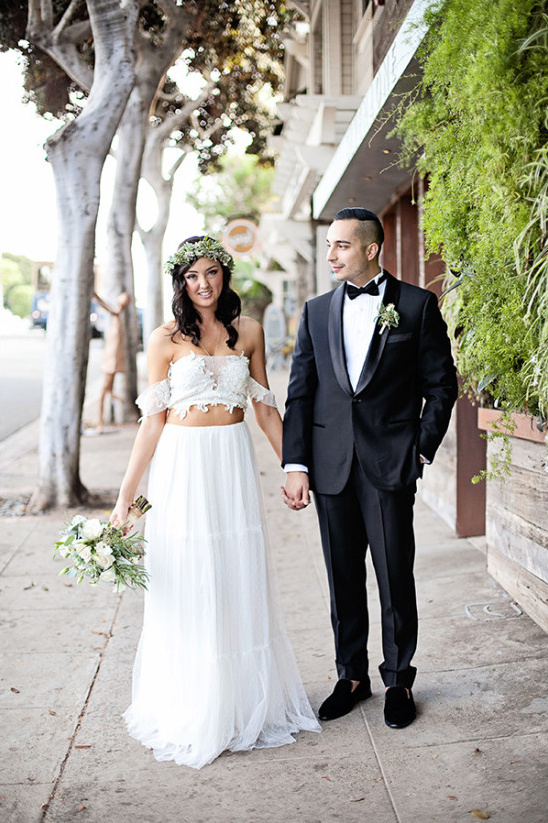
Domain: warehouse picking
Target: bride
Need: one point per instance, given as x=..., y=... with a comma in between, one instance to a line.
x=214, y=669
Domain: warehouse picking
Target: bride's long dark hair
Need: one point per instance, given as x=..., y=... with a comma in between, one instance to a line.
x=186, y=315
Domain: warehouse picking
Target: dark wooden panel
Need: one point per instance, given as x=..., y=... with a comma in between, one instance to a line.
x=471, y=460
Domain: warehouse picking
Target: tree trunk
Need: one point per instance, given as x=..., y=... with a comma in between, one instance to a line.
x=77, y=153
x=152, y=171
x=121, y=222
x=154, y=311
x=153, y=61
x=152, y=238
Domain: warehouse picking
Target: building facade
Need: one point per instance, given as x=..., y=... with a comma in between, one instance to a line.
x=349, y=64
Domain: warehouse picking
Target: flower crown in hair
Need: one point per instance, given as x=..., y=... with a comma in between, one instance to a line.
x=189, y=252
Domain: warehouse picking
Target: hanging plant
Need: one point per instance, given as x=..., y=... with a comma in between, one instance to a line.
x=477, y=123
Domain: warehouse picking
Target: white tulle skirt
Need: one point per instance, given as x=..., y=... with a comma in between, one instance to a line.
x=214, y=669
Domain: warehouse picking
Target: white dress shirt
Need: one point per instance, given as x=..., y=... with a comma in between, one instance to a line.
x=359, y=316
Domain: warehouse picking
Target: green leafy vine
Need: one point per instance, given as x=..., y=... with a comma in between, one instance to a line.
x=500, y=460
x=476, y=127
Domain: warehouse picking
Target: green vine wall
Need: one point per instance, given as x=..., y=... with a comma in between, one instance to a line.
x=477, y=122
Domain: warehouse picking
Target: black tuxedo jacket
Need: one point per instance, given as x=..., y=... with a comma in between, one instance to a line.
x=402, y=404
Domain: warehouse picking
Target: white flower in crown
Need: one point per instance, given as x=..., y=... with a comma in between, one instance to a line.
x=189, y=252
x=92, y=529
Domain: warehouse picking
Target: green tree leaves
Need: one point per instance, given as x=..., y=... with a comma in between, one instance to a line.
x=477, y=123
x=16, y=276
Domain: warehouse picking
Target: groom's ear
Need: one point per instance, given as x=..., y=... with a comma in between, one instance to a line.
x=372, y=251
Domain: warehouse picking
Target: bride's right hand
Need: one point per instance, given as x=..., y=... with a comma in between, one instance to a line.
x=119, y=514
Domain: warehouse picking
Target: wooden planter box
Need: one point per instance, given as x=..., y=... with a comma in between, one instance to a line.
x=517, y=517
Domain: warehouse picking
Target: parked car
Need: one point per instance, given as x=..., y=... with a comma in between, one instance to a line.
x=140, y=322
x=97, y=317
x=39, y=309
x=39, y=312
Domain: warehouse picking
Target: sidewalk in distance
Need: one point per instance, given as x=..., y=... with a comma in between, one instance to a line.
x=479, y=741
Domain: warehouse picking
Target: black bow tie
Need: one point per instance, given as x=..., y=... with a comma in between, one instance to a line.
x=371, y=288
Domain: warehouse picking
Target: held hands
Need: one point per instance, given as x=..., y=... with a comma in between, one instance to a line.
x=296, y=492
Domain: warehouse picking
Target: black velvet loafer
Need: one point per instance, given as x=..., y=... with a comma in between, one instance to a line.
x=343, y=699
x=399, y=707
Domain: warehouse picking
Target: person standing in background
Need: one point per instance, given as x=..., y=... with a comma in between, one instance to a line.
x=114, y=359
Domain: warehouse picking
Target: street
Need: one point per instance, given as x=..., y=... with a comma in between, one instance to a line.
x=22, y=353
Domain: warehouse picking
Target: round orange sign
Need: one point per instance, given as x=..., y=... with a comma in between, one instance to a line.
x=240, y=237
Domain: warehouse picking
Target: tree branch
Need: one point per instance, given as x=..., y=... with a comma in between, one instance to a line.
x=174, y=168
x=46, y=12
x=65, y=19
x=54, y=42
x=175, y=121
x=74, y=34
x=169, y=98
x=34, y=17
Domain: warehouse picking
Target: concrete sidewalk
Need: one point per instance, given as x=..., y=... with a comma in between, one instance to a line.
x=479, y=742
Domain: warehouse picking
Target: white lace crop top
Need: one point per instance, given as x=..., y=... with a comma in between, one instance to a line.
x=197, y=380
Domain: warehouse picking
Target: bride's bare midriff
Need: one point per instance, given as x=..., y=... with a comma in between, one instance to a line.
x=215, y=416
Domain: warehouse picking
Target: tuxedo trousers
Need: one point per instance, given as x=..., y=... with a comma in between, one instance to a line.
x=361, y=516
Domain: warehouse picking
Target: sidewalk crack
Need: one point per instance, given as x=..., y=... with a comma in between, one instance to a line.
x=47, y=804
x=381, y=769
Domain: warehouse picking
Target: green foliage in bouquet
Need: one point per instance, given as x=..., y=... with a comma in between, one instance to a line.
x=100, y=552
x=477, y=123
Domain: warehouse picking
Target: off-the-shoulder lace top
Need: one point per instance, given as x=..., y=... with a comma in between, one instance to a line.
x=204, y=381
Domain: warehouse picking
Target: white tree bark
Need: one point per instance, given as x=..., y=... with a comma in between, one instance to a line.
x=153, y=60
x=61, y=41
x=153, y=237
x=77, y=153
x=162, y=184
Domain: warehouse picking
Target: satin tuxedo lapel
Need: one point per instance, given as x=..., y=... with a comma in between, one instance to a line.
x=378, y=342
x=336, y=341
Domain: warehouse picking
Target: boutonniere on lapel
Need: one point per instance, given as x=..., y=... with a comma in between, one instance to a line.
x=387, y=316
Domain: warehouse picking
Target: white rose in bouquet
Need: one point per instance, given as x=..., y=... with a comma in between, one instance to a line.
x=92, y=529
x=109, y=576
x=104, y=555
x=104, y=560
x=84, y=551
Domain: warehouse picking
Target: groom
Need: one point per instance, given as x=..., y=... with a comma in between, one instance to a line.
x=369, y=400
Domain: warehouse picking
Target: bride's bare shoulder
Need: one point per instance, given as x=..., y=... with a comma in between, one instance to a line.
x=249, y=327
x=250, y=334
x=162, y=340
x=167, y=331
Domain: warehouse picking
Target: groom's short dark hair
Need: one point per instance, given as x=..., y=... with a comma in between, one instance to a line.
x=364, y=216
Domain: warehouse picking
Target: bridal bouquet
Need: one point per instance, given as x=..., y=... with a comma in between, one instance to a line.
x=99, y=551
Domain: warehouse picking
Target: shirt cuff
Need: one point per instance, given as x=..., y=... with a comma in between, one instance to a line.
x=295, y=467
